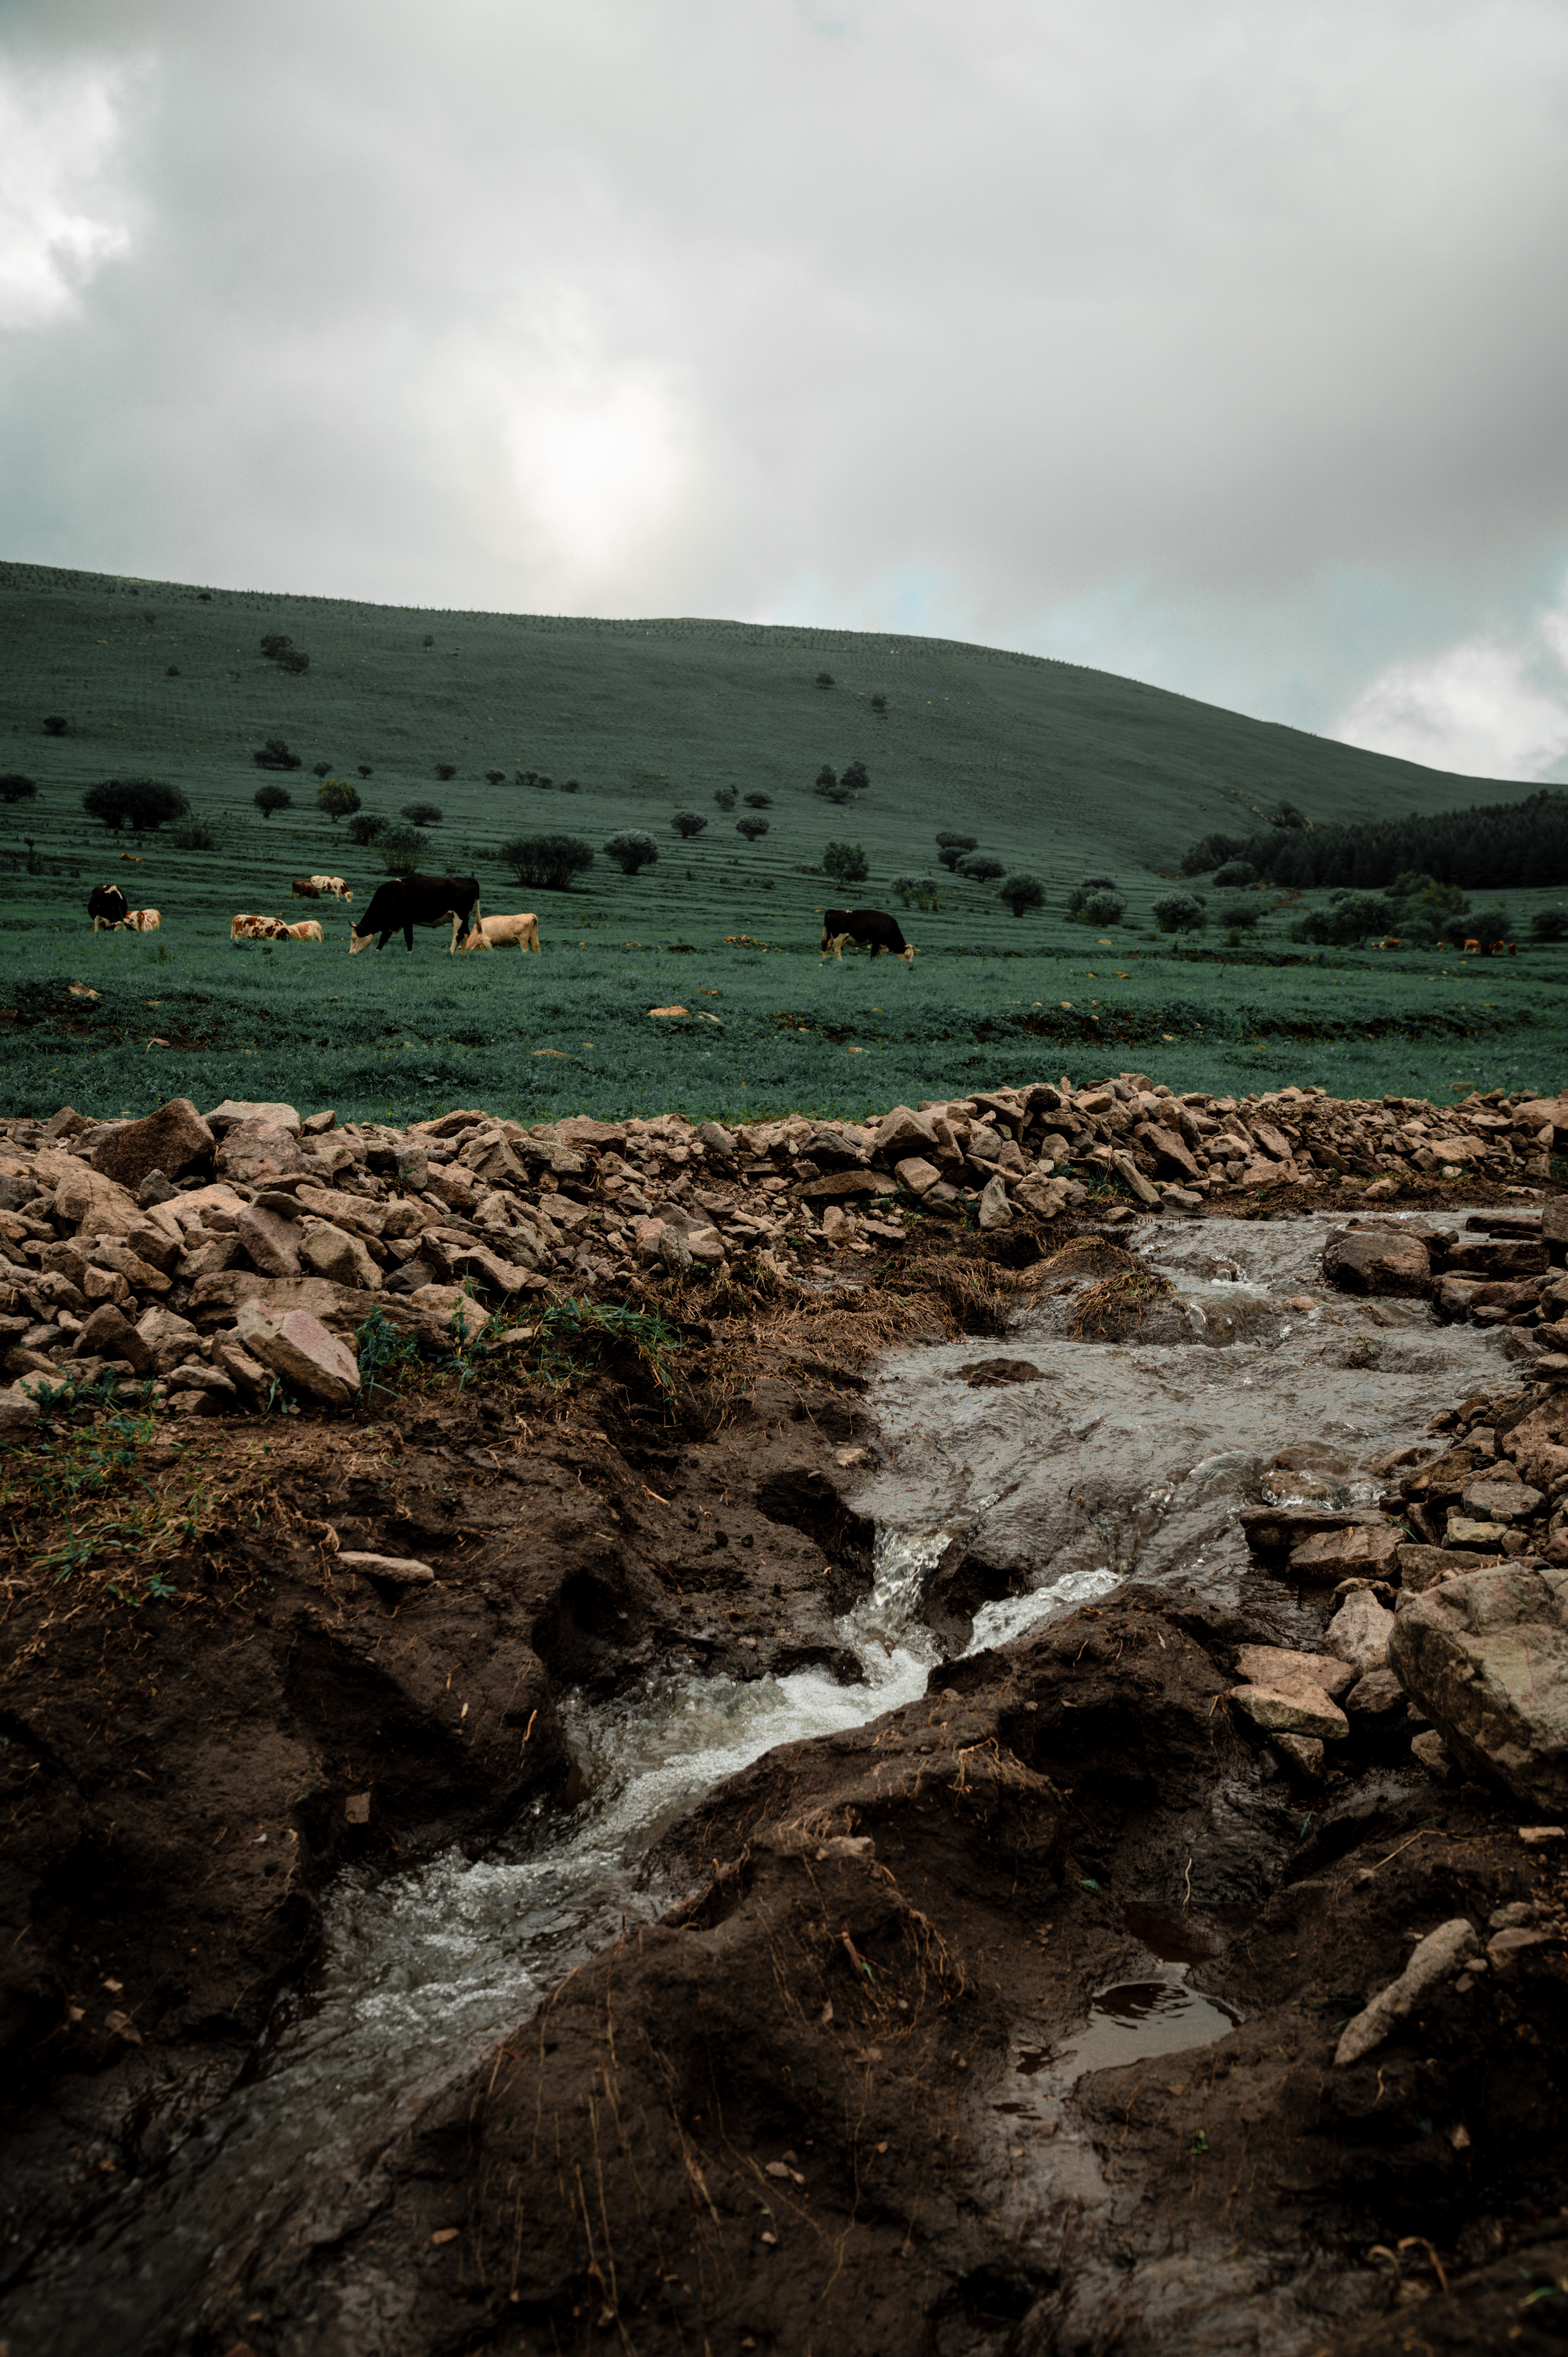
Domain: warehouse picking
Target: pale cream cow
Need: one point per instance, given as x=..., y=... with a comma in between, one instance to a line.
x=501, y=933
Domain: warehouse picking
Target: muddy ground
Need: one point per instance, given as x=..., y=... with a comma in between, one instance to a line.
x=811, y=2108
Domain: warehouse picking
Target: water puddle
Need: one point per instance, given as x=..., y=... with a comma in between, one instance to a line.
x=1103, y=1460
x=1137, y=2019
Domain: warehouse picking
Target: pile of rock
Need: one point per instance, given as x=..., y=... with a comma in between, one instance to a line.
x=1503, y=1268
x=1451, y=1625
x=180, y=1246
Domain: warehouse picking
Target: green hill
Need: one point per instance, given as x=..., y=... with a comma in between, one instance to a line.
x=1055, y=767
x=1065, y=773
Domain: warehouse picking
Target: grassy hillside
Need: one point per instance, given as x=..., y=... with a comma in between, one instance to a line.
x=1063, y=771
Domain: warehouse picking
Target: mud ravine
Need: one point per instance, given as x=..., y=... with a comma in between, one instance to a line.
x=810, y=1870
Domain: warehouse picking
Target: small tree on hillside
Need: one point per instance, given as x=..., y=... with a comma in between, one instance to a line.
x=1548, y=925
x=275, y=755
x=631, y=849
x=688, y=823
x=920, y=891
x=829, y=785
x=856, y=778
x=401, y=849
x=846, y=863
x=321, y=769
x=271, y=798
x=547, y=862
x=495, y=777
x=725, y=797
x=337, y=798
x=139, y=804
x=1181, y=913
x=365, y=770
x=55, y=723
x=1021, y=892
x=752, y=828
x=950, y=848
x=980, y=867
x=15, y=788
x=759, y=801
x=365, y=826
x=422, y=814
x=445, y=770
x=825, y=679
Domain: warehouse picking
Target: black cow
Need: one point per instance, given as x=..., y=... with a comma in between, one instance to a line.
x=873, y=928
x=107, y=906
x=409, y=900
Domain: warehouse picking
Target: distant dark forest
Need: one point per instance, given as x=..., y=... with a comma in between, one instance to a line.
x=1486, y=848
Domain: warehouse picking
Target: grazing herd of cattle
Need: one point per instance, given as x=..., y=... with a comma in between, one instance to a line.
x=404, y=902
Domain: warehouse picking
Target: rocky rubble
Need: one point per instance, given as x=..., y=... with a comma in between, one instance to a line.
x=132, y=1248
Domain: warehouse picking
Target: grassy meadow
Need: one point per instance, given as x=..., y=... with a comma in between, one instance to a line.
x=1064, y=772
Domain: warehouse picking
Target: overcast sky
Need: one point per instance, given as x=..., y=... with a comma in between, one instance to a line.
x=1220, y=342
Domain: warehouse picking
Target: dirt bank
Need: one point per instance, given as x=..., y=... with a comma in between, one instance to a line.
x=820, y=2102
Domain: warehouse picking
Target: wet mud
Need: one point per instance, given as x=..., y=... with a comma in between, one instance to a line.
x=794, y=1879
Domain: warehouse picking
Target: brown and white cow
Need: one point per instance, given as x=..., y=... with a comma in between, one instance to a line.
x=307, y=929
x=303, y=890
x=142, y=920
x=501, y=932
x=332, y=888
x=244, y=928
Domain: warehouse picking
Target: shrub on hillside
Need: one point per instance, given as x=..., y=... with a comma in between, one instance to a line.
x=688, y=823
x=365, y=770
x=495, y=777
x=879, y=704
x=980, y=868
x=752, y=828
x=196, y=836
x=759, y=801
x=631, y=849
x=846, y=863
x=366, y=825
x=422, y=814
x=825, y=679
x=55, y=723
x=725, y=797
x=950, y=848
x=1235, y=874
x=548, y=862
x=1491, y=926
x=917, y=891
x=1239, y=917
x=1348, y=918
x=1021, y=892
x=321, y=769
x=569, y=785
x=15, y=788
x=137, y=803
x=1211, y=851
x=337, y=798
x=1548, y=925
x=275, y=755
x=270, y=797
x=1181, y=913
x=856, y=778
x=1103, y=906
x=401, y=849
x=445, y=770
x=830, y=786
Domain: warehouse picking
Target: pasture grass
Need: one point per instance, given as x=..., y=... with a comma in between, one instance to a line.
x=1065, y=773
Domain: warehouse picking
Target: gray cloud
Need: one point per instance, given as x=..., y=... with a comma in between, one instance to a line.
x=1219, y=344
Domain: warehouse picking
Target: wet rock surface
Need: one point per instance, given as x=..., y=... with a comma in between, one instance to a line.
x=769, y=1838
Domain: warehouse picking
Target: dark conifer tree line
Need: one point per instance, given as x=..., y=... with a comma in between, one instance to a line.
x=1488, y=847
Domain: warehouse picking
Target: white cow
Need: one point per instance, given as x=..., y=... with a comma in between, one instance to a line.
x=245, y=928
x=142, y=920
x=333, y=885
x=501, y=933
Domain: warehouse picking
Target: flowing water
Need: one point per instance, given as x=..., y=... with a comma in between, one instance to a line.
x=1108, y=1460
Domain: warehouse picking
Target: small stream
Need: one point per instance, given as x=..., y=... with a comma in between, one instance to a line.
x=1108, y=1460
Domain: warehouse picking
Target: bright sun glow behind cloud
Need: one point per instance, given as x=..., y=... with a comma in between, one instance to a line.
x=597, y=468
x=58, y=132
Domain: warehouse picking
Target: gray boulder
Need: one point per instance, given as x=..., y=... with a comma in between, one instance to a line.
x=1378, y=1260
x=1486, y=1658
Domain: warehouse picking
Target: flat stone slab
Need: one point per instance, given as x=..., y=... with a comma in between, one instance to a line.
x=1291, y=1710
x=234, y=1110
x=1486, y=1658
x=1274, y=1665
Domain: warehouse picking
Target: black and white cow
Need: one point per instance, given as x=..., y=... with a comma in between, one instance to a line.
x=405, y=901
x=871, y=929
x=107, y=906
